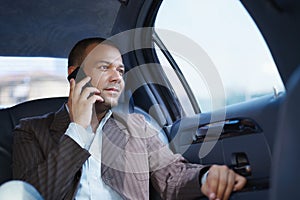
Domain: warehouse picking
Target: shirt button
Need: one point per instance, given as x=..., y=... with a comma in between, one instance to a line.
x=108, y=179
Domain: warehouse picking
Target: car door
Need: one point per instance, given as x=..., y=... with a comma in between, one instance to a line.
x=238, y=131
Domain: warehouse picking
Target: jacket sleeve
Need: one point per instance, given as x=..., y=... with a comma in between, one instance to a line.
x=171, y=174
x=52, y=166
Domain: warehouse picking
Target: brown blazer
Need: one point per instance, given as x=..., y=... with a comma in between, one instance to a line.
x=132, y=154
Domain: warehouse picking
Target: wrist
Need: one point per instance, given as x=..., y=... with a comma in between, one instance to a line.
x=203, y=175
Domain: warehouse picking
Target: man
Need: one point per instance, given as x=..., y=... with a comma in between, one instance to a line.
x=84, y=151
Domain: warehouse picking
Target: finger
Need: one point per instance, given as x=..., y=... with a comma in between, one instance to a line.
x=92, y=99
x=206, y=191
x=80, y=85
x=84, y=81
x=240, y=182
x=72, y=86
x=222, y=184
x=86, y=93
x=70, y=99
x=230, y=184
x=71, y=93
x=212, y=181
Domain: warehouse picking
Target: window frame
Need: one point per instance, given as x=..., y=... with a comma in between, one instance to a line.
x=178, y=72
x=158, y=41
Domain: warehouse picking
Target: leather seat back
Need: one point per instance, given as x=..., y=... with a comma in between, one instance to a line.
x=285, y=174
x=9, y=118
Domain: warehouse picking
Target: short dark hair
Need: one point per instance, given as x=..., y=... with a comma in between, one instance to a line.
x=78, y=52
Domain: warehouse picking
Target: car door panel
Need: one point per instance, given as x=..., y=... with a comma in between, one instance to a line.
x=245, y=143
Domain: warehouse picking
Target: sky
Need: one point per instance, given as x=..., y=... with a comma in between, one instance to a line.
x=16, y=65
x=226, y=32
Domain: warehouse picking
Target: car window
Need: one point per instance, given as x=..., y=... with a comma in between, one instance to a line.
x=230, y=41
x=28, y=78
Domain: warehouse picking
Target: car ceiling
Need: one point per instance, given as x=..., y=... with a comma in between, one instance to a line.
x=50, y=28
x=279, y=22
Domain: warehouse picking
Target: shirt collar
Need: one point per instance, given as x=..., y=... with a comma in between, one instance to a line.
x=102, y=122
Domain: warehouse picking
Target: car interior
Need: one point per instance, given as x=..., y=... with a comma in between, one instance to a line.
x=256, y=138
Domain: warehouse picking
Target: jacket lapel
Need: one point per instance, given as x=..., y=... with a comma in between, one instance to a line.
x=60, y=123
x=114, y=140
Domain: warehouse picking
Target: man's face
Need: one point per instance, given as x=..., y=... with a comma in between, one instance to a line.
x=105, y=66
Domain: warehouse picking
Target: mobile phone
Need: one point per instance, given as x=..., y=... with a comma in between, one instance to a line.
x=78, y=74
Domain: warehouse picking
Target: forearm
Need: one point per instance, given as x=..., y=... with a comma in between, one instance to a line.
x=179, y=180
x=172, y=175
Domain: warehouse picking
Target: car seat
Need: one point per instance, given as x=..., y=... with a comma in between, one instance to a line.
x=9, y=118
x=285, y=176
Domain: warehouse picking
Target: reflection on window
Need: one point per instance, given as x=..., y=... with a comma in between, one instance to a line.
x=226, y=32
x=27, y=78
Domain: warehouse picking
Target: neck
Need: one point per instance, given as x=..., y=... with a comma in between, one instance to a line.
x=101, y=115
x=98, y=115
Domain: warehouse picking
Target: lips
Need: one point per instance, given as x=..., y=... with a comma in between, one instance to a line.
x=112, y=89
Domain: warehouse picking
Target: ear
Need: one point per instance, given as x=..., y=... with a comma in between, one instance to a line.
x=71, y=69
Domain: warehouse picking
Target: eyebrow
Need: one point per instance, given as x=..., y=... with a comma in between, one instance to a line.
x=107, y=62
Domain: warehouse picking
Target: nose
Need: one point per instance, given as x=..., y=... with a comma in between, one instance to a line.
x=115, y=75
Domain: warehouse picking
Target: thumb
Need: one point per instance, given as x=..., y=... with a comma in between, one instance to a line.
x=240, y=182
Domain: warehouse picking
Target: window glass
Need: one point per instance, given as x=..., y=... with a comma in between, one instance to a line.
x=27, y=78
x=231, y=40
x=174, y=80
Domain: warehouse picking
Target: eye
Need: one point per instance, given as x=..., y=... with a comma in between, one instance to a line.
x=121, y=72
x=103, y=67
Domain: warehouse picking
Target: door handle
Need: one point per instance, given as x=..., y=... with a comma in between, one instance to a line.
x=240, y=164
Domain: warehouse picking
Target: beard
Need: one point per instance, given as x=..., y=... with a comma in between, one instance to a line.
x=109, y=102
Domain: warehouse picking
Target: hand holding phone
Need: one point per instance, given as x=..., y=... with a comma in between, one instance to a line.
x=78, y=74
x=82, y=99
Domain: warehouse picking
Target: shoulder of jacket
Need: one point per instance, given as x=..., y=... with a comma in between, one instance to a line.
x=36, y=120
